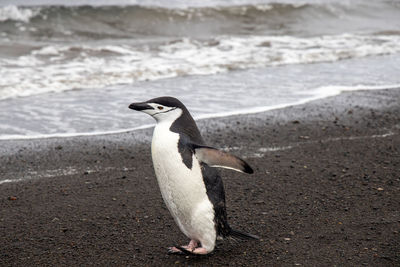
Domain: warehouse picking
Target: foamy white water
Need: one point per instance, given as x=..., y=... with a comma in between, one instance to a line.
x=59, y=68
x=170, y=3
x=11, y=12
x=102, y=111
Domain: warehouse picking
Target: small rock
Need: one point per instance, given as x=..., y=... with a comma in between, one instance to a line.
x=265, y=44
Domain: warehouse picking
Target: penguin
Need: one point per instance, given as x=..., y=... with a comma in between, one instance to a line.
x=190, y=185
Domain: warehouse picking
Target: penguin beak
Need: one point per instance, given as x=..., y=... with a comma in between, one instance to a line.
x=140, y=106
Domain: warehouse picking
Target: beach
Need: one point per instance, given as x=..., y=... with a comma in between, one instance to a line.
x=325, y=192
x=306, y=91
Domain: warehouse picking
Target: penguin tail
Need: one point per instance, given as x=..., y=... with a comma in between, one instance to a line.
x=242, y=236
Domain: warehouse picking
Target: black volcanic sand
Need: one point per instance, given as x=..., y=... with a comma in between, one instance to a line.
x=326, y=192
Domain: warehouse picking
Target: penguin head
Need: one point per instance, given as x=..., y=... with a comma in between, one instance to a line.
x=161, y=108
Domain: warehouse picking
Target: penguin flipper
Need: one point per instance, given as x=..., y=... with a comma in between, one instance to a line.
x=217, y=158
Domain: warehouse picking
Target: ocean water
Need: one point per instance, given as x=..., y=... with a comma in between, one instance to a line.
x=73, y=69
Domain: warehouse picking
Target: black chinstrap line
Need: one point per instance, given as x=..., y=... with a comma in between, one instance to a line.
x=163, y=112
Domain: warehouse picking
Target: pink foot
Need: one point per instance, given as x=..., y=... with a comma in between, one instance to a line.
x=174, y=250
x=200, y=251
x=190, y=247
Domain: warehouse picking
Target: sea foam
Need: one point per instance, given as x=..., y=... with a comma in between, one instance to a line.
x=16, y=13
x=58, y=68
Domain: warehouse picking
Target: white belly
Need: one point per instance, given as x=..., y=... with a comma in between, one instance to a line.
x=182, y=189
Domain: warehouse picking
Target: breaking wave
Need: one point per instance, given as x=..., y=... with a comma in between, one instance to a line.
x=56, y=68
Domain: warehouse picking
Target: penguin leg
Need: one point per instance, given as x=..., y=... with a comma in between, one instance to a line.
x=190, y=247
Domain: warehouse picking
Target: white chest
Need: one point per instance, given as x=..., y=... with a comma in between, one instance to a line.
x=182, y=189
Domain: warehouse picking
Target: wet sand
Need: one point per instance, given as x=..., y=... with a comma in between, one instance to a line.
x=326, y=191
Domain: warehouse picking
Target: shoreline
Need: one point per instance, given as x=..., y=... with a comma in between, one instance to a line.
x=325, y=191
x=333, y=91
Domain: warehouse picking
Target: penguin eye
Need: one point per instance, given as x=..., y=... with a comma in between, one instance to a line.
x=160, y=107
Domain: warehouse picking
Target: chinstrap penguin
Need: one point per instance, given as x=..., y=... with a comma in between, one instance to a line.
x=191, y=187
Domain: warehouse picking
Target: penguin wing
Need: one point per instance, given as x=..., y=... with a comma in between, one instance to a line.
x=217, y=158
